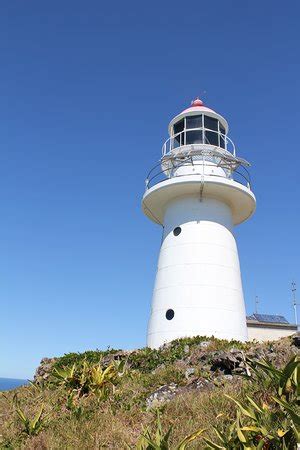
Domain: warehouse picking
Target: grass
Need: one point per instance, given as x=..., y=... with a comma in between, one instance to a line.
x=117, y=420
x=111, y=424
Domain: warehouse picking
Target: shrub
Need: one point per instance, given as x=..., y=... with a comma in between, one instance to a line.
x=273, y=423
x=160, y=440
x=91, y=356
x=88, y=378
x=30, y=426
x=147, y=359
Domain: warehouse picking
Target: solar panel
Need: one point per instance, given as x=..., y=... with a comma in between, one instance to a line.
x=250, y=317
x=270, y=318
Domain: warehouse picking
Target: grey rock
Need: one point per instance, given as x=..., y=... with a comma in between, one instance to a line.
x=117, y=356
x=161, y=395
x=239, y=370
x=189, y=371
x=166, y=346
x=222, y=379
x=296, y=340
x=198, y=383
x=256, y=354
x=44, y=370
x=237, y=354
x=228, y=377
x=228, y=362
x=204, y=344
x=186, y=349
x=167, y=392
x=158, y=368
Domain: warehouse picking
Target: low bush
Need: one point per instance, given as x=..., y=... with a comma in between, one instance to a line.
x=91, y=356
x=271, y=422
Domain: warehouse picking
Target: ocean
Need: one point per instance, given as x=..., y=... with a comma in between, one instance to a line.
x=11, y=383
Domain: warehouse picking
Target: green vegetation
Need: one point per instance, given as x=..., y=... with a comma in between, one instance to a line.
x=33, y=426
x=92, y=356
x=101, y=399
x=148, y=359
x=272, y=422
x=160, y=441
x=88, y=378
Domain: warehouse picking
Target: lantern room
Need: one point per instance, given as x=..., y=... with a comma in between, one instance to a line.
x=199, y=144
x=198, y=125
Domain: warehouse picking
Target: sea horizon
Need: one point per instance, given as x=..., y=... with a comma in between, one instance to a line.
x=7, y=384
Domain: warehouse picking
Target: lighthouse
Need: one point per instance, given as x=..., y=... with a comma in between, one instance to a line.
x=198, y=192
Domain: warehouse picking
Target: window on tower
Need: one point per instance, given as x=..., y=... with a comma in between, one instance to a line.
x=222, y=139
x=177, y=231
x=194, y=122
x=194, y=137
x=178, y=128
x=211, y=138
x=210, y=123
x=170, y=314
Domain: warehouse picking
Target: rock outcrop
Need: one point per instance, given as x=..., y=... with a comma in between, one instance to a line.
x=44, y=370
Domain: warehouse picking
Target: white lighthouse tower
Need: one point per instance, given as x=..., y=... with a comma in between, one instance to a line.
x=198, y=192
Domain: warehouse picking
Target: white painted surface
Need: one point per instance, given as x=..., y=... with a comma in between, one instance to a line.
x=268, y=334
x=239, y=198
x=207, y=168
x=198, y=274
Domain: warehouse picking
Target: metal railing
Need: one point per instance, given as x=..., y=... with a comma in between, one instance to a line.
x=157, y=174
x=184, y=138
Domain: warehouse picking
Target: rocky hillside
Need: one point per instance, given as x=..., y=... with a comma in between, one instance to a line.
x=191, y=393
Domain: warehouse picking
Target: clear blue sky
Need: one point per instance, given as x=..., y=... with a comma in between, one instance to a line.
x=86, y=93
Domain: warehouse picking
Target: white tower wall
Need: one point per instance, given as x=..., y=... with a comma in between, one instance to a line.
x=198, y=275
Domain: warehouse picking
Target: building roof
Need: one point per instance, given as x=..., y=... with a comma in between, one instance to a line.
x=267, y=318
x=197, y=107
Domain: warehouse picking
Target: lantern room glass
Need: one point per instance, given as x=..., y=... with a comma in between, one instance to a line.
x=199, y=129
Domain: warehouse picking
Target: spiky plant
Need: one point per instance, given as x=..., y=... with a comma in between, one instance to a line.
x=30, y=426
x=272, y=425
x=160, y=440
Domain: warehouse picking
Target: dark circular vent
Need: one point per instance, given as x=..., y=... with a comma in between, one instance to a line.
x=170, y=314
x=177, y=231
